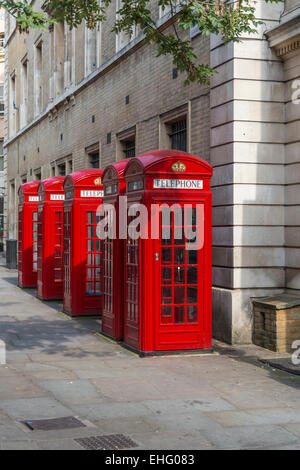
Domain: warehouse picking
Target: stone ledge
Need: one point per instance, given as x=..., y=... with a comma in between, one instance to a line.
x=278, y=302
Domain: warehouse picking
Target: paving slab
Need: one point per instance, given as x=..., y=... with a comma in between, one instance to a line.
x=19, y=445
x=182, y=421
x=141, y=388
x=111, y=410
x=293, y=427
x=171, y=441
x=207, y=404
x=243, y=398
x=284, y=447
x=12, y=432
x=74, y=391
x=257, y=417
x=7, y=371
x=19, y=387
x=132, y=424
x=58, y=444
x=249, y=437
x=34, y=408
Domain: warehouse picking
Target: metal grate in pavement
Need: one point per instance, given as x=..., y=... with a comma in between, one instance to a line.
x=112, y=442
x=54, y=424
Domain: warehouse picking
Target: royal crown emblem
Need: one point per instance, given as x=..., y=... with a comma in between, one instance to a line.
x=98, y=182
x=179, y=167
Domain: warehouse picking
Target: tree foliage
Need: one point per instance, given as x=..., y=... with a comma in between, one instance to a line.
x=232, y=19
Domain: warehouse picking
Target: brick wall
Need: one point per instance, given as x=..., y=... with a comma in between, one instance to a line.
x=66, y=129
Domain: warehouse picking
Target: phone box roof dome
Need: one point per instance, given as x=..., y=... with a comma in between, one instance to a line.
x=166, y=162
x=29, y=189
x=54, y=184
x=84, y=178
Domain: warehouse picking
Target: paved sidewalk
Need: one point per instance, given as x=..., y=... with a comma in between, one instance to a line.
x=58, y=367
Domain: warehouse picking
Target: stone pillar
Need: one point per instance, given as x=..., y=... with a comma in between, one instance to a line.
x=59, y=57
x=248, y=156
x=69, y=57
x=90, y=50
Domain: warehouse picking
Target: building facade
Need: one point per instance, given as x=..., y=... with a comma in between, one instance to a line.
x=255, y=151
x=81, y=98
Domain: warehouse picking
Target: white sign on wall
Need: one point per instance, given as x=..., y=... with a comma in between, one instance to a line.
x=34, y=198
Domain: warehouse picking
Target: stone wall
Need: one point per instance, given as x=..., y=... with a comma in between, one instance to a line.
x=248, y=155
x=93, y=106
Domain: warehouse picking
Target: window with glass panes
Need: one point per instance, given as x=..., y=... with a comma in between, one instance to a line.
x=67, y=251
x=178, y=135
x=108, y=269
x=1, y=97
x=94, y=160
x=1, y=222
x=35, y=240
x=20, y=231
x=129, y=148
x=40, y=238
x=179, y=272
x=58, y=247
x=93, y=269
x=61, y=169
x=132, y=291
x=1, y=156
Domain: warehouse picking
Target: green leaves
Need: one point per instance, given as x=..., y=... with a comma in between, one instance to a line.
x=75, y=12
x=25, y=15
x=232, y=20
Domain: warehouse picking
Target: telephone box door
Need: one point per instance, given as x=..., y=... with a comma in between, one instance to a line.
x=40, y=251
x=179, y=279
x=67, y=257
x=92, y=268
x=58, y=250
x=20, y=245
x=132, y=296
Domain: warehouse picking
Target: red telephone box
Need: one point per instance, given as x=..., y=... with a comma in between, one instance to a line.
x=27, y=239
x=168, y=275
x=114, y=256
x=50, y=239
x=82, y=248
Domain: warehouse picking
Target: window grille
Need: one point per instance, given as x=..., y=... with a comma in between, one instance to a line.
x=178, y=135
x=129, y=148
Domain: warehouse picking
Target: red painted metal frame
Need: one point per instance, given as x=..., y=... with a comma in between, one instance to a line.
x=27, y=239
x=114, y=256
x=147, y=328
x=82, y=249
x=50, y=239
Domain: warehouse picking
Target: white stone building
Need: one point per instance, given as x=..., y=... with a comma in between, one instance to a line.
x=255, y=151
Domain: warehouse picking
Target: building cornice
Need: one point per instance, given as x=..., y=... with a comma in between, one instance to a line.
x=285, y=38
